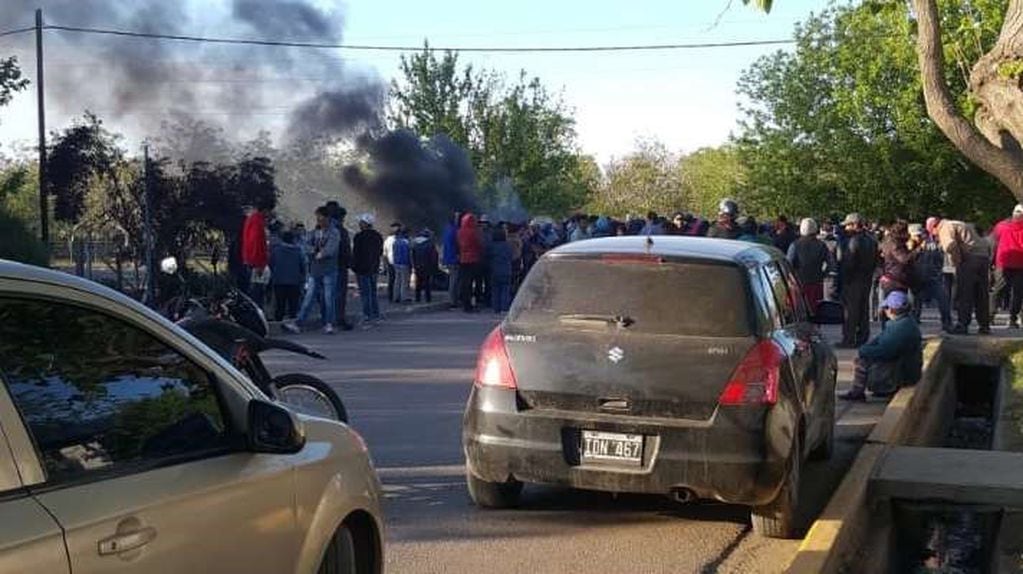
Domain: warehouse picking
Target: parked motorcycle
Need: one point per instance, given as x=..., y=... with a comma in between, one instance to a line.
x=235, y=327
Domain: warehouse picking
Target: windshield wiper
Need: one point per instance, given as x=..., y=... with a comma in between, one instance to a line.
x=622, y=321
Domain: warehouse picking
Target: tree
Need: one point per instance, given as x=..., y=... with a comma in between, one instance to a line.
x=709, y=175
x=838, y=124
x=516, y=134
x=649, y=178
x=992, y=140
x=10, y=79
x=81, y=156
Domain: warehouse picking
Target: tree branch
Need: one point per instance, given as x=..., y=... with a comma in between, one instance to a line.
x=1002, y=164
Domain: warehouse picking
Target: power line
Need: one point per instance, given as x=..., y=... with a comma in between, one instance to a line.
x=18, y=31
x=398, y=48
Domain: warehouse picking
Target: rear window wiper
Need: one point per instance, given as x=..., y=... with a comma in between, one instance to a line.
x=622, y=321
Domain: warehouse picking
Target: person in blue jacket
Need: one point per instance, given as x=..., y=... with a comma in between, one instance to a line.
x=893, y=358
x=449, y=257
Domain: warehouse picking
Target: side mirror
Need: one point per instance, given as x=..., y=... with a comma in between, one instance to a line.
x=274, y=429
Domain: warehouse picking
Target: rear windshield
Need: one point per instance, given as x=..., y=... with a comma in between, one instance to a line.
x=693, y=299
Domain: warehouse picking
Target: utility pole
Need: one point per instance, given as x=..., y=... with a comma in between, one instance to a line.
x=44, y=207
x=149, y=297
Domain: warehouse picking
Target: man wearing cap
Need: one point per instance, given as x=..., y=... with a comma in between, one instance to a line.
x=367, y=248
x=892, y=359
x=857, y=259
x=1007, y=237
x=972, y=260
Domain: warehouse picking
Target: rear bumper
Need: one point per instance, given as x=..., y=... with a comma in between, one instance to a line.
x=739, y=456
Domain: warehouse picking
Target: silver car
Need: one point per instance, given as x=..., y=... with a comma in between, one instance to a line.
x=128, y=446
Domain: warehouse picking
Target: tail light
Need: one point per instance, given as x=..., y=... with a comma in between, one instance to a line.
x=756, y=379
x=493, y=368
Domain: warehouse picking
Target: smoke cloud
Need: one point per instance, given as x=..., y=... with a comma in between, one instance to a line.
x=147, y=81
x=419, y=183
x=303, y=95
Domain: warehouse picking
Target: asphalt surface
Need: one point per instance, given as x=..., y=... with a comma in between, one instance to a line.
x=405, y=382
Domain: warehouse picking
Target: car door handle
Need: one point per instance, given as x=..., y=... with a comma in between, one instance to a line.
x=126, y=541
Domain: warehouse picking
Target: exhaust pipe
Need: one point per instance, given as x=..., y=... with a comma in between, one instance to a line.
x=682, y=495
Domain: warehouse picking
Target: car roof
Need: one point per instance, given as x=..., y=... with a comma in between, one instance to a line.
x=723, y=250
x=34, y=274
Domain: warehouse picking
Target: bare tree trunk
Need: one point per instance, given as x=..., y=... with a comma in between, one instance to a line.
x=994, y=145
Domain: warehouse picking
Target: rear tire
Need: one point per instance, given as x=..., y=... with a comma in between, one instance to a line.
x=340, y=557
x=301, y=379
x=781, y=518
x=487, y=494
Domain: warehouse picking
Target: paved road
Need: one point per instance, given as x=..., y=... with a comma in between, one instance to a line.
x=405, y=383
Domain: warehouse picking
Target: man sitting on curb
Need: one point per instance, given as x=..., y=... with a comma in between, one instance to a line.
x=892, y=359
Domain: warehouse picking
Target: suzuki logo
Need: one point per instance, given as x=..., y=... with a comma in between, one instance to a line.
x=615, y=354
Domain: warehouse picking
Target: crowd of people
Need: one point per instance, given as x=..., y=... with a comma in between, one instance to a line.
x=863, y=269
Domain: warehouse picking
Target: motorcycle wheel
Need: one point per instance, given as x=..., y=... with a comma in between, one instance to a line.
x=309, y=395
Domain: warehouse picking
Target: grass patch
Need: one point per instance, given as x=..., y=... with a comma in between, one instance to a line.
x=1012, y=410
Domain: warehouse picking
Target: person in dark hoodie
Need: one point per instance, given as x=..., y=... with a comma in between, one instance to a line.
x=499, y=255
x=287, y=267
x=470, y=259
x=424, y=261
x=367, y=248
x=344, y=261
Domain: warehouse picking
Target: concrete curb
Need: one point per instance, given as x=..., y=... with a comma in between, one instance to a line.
x=835, y=538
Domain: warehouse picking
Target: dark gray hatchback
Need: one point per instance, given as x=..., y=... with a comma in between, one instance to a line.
x=682, y=366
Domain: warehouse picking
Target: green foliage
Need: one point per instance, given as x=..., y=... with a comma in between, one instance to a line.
x=710, y=174
x=649, y=178
x=10, y=79
x=19, y=243
x=764, y=5
x=1011, y=69
x=18, y=213
x=80, y=157
x=840, y=124
x=514, y=132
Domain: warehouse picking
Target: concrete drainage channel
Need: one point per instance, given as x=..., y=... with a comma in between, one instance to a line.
x=937, y=487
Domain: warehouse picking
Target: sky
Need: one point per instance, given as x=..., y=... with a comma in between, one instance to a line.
x=684, y=98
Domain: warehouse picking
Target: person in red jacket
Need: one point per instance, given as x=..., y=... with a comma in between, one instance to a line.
x=255, y=251
x=470, y=259
x=1007, y=238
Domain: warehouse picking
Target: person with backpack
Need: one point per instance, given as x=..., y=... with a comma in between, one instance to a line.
x=424, y=261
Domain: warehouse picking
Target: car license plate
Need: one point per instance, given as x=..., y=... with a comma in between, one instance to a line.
x=612, y=447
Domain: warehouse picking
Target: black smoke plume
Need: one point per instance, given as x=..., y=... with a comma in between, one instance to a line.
x=418, y=182
x=146, y=81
